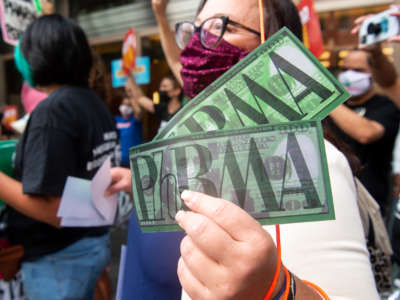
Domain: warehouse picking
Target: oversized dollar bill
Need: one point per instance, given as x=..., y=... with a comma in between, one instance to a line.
x=277, y=173
x=280, y=81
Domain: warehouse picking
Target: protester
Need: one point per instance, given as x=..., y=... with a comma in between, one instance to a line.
x=99, y=79
x=386, y=76
x=226, y=254
x=167, y=38
x=383, y=72
x=368, y=122
x=69, y=134
x=129, y=127
x=167, y=102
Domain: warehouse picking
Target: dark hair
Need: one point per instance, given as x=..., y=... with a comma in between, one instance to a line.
x=175, y=84
x=57, y=51
x=277, y=14
x=330, y=133
x=99, y=79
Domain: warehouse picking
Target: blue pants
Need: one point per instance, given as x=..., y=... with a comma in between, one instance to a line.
x=69, y=274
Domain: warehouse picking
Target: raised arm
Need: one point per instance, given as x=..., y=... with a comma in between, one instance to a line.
x=363, y=130
x=137, y=109
x=171, y=49
x=137, y=97
x=383, y=71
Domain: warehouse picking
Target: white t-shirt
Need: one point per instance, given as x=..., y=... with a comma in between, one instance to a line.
x=331, y=254
x=396, y=155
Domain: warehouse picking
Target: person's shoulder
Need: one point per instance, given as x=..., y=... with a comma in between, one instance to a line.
x=76, y=93
x=42, y=108
x=134, y=120
x=118, y=118
x=380, y=100
x=336, y=159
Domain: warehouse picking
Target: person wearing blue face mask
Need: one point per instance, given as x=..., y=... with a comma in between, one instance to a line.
x=129, y=125
x=368, y=122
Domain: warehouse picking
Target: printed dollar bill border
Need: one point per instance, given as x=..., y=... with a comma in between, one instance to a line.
x=312, y=217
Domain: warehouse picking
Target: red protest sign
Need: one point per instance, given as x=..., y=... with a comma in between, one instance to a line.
x=312, y=35
x=10, y=115
x=129, y=52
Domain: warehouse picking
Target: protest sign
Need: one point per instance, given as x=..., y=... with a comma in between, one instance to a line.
x=10, y=116
x=277, y=173
x=312, y=35
x=129, y=52
x=15, y=16
x=141, y=72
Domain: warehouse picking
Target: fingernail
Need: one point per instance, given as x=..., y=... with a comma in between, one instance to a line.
x=185, y=194
x=188, y=198
x=179, y=216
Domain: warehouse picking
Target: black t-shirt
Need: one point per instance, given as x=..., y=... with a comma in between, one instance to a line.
x=376, y=157
x=69, y=134
x=161, y=112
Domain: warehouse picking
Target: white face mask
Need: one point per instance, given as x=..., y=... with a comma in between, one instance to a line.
x=125, y=110
x=356, y=83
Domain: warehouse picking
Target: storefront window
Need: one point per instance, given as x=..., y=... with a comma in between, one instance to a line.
x=78, y=7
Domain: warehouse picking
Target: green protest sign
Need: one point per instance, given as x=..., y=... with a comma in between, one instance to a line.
x=277, y=173
x=280, y=81
x=7, y=150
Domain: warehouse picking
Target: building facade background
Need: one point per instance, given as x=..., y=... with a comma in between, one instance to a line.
x=105, y=22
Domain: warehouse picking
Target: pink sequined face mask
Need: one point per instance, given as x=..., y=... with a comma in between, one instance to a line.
x=201, y=66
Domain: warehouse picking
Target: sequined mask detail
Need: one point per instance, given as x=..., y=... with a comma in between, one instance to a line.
x=201, y=66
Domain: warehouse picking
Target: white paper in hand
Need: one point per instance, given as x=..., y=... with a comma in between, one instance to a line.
x=107, y=206
x=76, y=200
x=83, y=203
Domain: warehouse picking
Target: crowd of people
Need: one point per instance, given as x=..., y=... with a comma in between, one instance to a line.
x=222, y=252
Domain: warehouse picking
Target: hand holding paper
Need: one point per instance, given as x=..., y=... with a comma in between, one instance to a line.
x=83, y=203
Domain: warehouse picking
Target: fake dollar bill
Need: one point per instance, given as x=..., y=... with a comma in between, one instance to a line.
x=277, y=173
x=280, y=81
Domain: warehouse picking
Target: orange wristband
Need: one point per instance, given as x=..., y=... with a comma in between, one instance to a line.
x=278, y=266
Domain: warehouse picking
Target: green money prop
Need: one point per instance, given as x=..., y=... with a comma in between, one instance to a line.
x=280, y=81
x=277, y=173
x=7, y=150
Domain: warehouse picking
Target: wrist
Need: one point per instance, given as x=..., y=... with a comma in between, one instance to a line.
x=280, y=284
x=160, y=15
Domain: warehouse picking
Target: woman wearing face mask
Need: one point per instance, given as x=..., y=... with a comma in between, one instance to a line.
x=368, y=122
x=129, y=127
x=166, y=102
x=226, y=254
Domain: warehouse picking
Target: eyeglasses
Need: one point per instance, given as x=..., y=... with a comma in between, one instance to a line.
x=211, y=31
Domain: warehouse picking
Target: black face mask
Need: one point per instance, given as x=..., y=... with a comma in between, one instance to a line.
x=164, y=98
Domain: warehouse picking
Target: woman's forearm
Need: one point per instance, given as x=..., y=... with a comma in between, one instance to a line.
x=40, y=208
